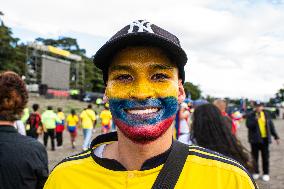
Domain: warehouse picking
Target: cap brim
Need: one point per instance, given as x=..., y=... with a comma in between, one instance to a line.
x=105, y=54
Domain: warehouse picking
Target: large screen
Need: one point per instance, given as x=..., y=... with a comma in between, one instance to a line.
x=55, y=73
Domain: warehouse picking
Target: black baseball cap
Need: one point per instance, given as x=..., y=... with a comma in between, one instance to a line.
x=141, y=33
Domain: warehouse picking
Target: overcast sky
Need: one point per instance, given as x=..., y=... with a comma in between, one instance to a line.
x=235, y=47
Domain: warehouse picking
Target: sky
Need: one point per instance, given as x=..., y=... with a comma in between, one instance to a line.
x=235, y=48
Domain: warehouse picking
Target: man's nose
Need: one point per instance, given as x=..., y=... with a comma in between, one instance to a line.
x=142, y=90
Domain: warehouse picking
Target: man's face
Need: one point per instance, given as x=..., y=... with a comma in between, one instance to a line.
x=259, y=108
x=143, y=91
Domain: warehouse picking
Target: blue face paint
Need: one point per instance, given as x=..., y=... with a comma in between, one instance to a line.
x=167, y=107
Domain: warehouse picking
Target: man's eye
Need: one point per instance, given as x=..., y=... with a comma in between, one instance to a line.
x=159, y=76
x=124, y=78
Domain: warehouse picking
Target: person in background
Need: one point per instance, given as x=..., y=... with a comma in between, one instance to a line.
x=19, y=125
x=26, y=115
x=72, y=124
x=222, y=105
x=106, y=119
x=23, y=160
x=34, y=122
x=209, y=130
x=49, y=119
x=184, y=134
x=60, y=128
x=260, y=128
x=88, y=120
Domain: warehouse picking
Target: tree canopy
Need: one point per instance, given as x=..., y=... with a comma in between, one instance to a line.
x=192, y=91
x=12, y=55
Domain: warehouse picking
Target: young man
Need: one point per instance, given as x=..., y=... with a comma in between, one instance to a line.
x=106, y=119
x=49, y=119
x=260, y=127
x=143, y=69
x=60, y=127
x=34, y=122
x=88, y=118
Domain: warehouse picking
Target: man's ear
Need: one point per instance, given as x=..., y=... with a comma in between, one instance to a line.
x=105, y=98
x=181, y=92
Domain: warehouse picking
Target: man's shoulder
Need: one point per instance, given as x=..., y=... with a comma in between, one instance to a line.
x=20, y=143
x=79, y=160
x=215, y=162
x=31, y=142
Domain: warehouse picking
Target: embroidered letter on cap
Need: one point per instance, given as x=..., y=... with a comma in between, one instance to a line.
x=141, y=26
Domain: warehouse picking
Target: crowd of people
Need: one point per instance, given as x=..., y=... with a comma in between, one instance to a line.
x=52, y=124
x=148, y=109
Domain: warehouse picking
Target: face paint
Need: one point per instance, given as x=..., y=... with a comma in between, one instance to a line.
x=144, y=120
x=142, y=90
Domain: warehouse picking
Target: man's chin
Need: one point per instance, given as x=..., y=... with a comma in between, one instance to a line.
x=144, y=134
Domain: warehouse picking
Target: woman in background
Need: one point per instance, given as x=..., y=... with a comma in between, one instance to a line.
x=209, y=130
x=72, y=123
x=23, y=160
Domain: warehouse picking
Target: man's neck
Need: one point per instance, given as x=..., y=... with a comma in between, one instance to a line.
x=6, y=123
x=132, y=155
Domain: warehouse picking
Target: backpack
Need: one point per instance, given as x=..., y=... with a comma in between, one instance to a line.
x=34, y=120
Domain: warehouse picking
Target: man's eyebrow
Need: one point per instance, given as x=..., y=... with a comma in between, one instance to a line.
x=119, y=67
x=162, y=67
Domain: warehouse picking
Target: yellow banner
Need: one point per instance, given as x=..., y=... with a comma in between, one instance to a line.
x=58, y=51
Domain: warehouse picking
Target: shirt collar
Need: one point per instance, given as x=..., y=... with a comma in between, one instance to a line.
x=8, y=128
x=115, y=165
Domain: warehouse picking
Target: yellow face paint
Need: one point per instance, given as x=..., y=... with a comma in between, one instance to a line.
x=141, y=73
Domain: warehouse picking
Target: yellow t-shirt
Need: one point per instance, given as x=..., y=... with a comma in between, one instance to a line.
x=203, y=169
x=88, y=116
x=261, y=124
x=72, y=120
x=61, y=115
x=105, y=117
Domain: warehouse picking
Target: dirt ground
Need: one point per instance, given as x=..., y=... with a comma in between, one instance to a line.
x=276, y=155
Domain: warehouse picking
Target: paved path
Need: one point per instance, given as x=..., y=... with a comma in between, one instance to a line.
x=276, y=155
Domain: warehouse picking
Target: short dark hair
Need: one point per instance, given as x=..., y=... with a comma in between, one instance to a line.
x=73, y=112
x=59, y=109
x=35, y=107
x=49, y=107
x=90, y=106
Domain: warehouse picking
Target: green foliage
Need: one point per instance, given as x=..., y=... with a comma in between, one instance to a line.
x=12, y=56
x=193, y=90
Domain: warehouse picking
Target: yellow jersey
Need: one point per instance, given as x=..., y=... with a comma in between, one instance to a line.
x=105, y=117
x=261, y=124
x=72, y=120
x=203, y=169
x=88, y=116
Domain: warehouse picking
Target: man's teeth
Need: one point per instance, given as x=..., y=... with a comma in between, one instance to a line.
x=145, y=111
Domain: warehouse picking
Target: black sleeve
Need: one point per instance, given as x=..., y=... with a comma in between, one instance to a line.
x=41, y=167
x=251, y=121
x=272, y=129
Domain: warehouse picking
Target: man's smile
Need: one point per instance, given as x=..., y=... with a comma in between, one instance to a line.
x=142, y=110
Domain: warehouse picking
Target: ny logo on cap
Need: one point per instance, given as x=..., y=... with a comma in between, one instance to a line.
x=143, y=26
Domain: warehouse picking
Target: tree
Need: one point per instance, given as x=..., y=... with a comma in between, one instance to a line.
x=12, y=56
x=192, y=90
